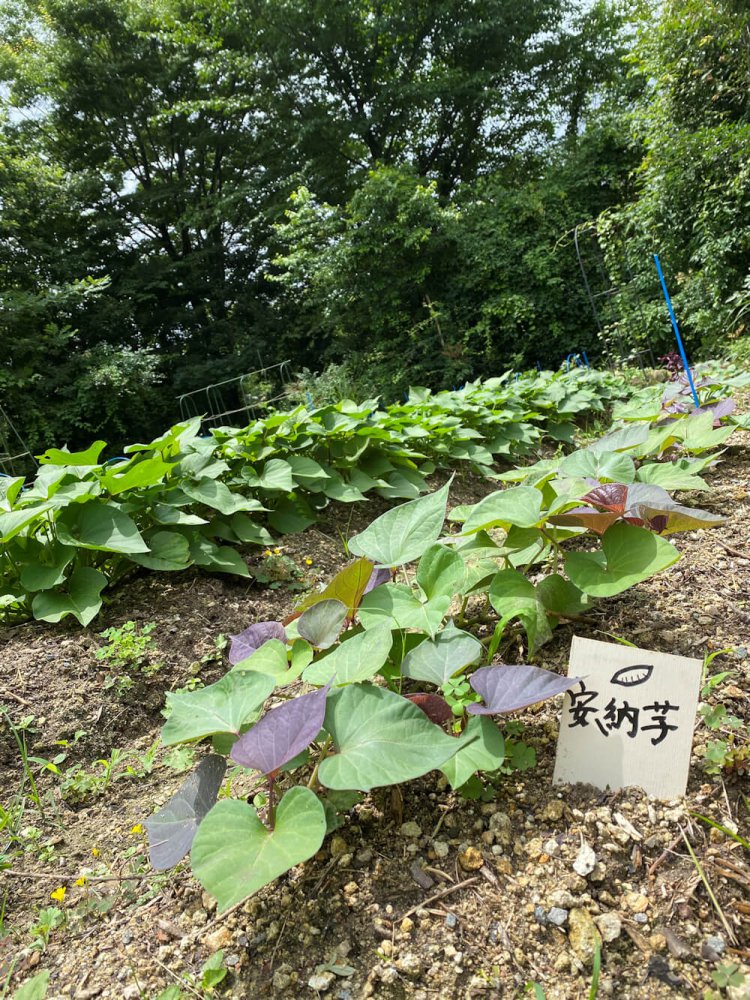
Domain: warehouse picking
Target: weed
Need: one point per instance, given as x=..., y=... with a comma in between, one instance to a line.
x=729, y=753
x=129, y=648
x=277, y=570
x=48, y=920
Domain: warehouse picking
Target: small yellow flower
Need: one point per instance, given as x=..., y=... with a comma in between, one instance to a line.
x=308, y=562
x=137, y=829
x=267, y=552
x=277, y=552
x=59, y=894
x=81, y=881
x=95, y=851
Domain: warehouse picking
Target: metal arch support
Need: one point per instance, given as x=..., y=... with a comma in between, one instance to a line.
x=13, y=448
x=219, y=401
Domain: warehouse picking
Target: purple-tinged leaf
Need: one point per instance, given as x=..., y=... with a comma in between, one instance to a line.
x=171, y=830
x=585, y=517
x=666, y=520
x=321, y=624
x=434, y=707
x=378, y=577
x=610, y=496
x=659, y=512
x=720, y=409
x=282, y=733
x=247, y=642
x=508, y=688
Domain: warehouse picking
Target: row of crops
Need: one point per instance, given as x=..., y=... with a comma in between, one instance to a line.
x=187, y=499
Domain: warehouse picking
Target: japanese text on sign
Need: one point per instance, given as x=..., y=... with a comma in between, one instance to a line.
x=635, y=709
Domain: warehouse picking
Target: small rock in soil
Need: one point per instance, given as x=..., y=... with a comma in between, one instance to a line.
x=557, y=916
x=471, y=859
x=636, y=902
x=585, y=861
x=610, y=926
x=713, y=948
x=410, y=829
x=583, y=935
x=321, y=981
x=409, y=965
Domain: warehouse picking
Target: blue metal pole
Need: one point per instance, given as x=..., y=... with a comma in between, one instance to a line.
x=681, y=346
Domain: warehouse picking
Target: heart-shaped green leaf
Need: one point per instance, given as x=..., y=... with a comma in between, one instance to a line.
x=49, y=569
x=235, y=854
x=218, y=496
x=629, y=555
x=435, y=660
x=601, y=465
x=169, y=552
x=401, y=535
x=219, y=708
x=357, y=659
x=56, y=456
x=397, y=605
x=103, y=526
x=482, y=749
x=380, y=738
x=513, y=596
x=441, y=572
x=81, y=598
x=520, y=505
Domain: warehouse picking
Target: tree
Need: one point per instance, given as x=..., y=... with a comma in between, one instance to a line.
x=691, y=202
x=447, y=88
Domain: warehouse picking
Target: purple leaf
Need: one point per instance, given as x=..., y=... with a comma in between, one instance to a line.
x=610, y=496
x=434, y=707
x=378, y=576
x=586, y=517
x=721, y=409
x=507, y=688
x=282, y=733
x=246, y=643
x=171, y=830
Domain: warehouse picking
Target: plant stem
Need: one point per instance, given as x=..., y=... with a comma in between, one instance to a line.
x=312, y=784
x=271, y=809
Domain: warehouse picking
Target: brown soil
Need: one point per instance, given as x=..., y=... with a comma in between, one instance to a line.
x=419, y=894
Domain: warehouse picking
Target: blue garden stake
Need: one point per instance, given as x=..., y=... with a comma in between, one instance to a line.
x=586, y=359
x=310, y=404
x=681, y=346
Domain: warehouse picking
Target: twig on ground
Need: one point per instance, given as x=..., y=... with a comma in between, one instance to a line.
x=15, y=697
x=664, y=855
x=731, y=551
x=716, y=905
x=440, y=895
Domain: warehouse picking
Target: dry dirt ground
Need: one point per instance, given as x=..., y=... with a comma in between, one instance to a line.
x=419, y=894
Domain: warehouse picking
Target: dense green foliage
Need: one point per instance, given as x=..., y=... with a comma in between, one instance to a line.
x=147, y=155
x=692, y=206
x=172, y=503
x=193, y=189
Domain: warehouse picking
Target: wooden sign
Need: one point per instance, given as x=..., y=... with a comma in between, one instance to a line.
x=630, y=720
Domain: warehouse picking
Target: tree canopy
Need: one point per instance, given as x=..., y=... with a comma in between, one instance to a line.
x=195, y=187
